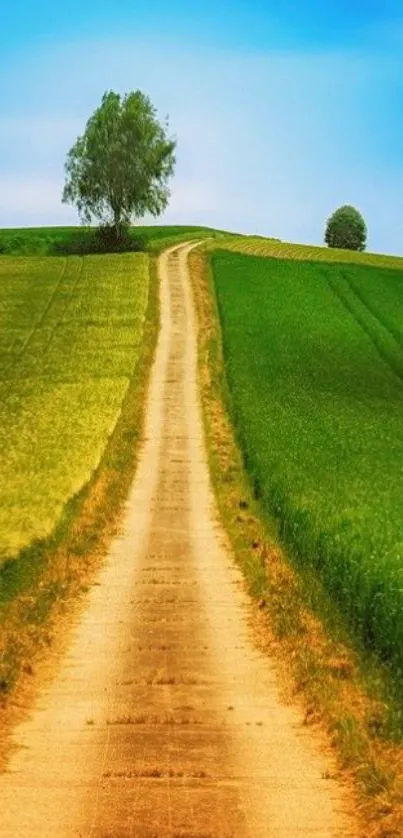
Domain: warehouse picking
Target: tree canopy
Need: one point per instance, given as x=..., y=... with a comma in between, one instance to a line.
x=119, y=169
x=346, y=228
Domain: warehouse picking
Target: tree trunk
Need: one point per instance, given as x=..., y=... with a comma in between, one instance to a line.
x=117, y=226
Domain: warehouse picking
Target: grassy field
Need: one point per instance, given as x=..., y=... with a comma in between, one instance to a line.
x=47, y=241
x=258, y=246
x=314, y=356
x=70, y=336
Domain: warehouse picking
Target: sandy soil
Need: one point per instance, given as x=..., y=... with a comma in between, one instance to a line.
x=164, y=718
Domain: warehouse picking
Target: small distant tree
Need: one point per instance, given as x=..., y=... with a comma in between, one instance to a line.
x=119, y=169
x=346, y=228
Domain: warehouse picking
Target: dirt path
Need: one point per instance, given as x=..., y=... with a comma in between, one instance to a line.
x=164, y=719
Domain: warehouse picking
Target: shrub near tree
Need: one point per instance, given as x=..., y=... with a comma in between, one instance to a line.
x=119, y=169
x=346, y=229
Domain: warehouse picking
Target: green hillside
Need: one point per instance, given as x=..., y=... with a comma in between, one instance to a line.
x=258, y=246
x=48, y=241
x=314, y=356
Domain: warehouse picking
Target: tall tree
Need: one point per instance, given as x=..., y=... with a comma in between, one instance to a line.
x=346, y=228
x=119, y=169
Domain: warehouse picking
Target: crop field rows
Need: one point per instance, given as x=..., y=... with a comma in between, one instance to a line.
x=314, y=358
x=70, y=334
x=257, y=246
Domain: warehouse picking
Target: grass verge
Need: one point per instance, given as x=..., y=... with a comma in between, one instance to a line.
x=341, y=687
x=51, y=575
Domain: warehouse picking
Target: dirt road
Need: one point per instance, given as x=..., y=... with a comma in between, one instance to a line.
x=164, y=719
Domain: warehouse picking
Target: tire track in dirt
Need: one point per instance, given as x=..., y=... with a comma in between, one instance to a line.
x=164, y=720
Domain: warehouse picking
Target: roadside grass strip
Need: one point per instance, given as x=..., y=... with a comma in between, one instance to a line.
x=314, y=361
x=70, y=338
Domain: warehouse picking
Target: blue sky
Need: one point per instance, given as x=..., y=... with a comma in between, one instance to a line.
x=282, y=110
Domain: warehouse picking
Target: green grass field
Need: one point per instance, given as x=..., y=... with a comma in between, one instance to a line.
x=48, y=241
x=314, y=357
x=70, y=335
x=258, y=246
